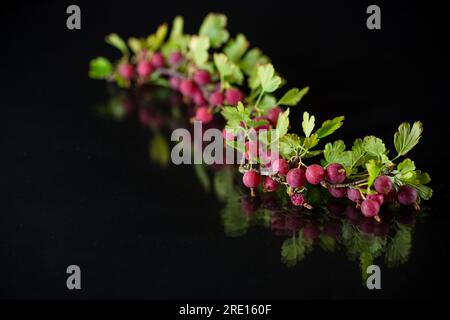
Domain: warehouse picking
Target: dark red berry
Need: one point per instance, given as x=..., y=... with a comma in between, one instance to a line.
x=407, y=195
x=383, y=184
x=157, y=60
x=233, y=96
x=251, y=179
x=296, y=178
x=335, y=173
x=370, y=208
x=315, y=174
x=270, y=185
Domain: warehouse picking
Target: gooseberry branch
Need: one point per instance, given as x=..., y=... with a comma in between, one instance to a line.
x=223, y=76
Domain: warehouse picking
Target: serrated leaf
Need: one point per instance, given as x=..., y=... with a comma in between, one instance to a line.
x=199, y=46
x=267, y=102
x=283, y=123
x=373, y=168
x=406, y=137
x=269, y=81
x=374, y=146
x=236, y=48
x=213, y=27
x=333, y=151
x=293, y=97
x=330, y=126
x=117, y=42
x=308, y=123
x=155, y=40
x=288, y=144
x=100, y=68
x=228, y=70
x=253, y=58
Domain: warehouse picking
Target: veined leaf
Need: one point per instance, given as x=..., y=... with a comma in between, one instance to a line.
x=330, y=126
x=199, y=46
x=373, y=168
x=227, y=69
x=253, y=58
x=374, y=146
x=269, y=81
x=333, y=151
x=236, y=48
x=293, y=97
x=283, y=123
x=213, y=27
x=308, y=123
x=406, y=137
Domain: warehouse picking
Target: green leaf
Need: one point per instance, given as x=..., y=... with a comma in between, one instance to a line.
x=100, y=68
x=374, y=146
x=155, y=40
x=374, y=169
x=228, y=70
x=288, y=145
x=117, y=42
x=406, y=137
x=406, y=170
x=253, y=58
x=330, y=126
x=293, y=97
x=159, y=150
x=424, y=192
x=236, y=48
x=294, y=249
x=269, y=81
x=333, y=151
x=236, y=115
x=202, y=177
x=283, y=123
x=136, y=45
x=223, y=184
x=213, y=27
x=199, y=48
x=177, y=28
x=308, y=123
x=267, y=102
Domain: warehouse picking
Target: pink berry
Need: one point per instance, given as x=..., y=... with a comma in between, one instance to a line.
x=337, y=192
x=315, y=174
x=335, y=173
x=273, y=114
x=175, y=83
x=270, y=185
x=354, y=194
x=370, y=208
x=126, y=71
x=280, y=166
x=175, y=58
x=188, y=88
x=383, y=184
x=407, y=195
x=157, y=60
x=144, y=68
x=378, y=197
x=251, y=179
x=233, y=96
x=199, y=99
x=227, y=135
x=203, y=114
x=202, y=77
x=296, y=178
x=216, y=98
x=298, y=199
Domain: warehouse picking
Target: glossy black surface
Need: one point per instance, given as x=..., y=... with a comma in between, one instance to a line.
x=80, y=189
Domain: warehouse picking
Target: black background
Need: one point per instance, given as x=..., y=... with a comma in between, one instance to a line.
x=77, y=189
